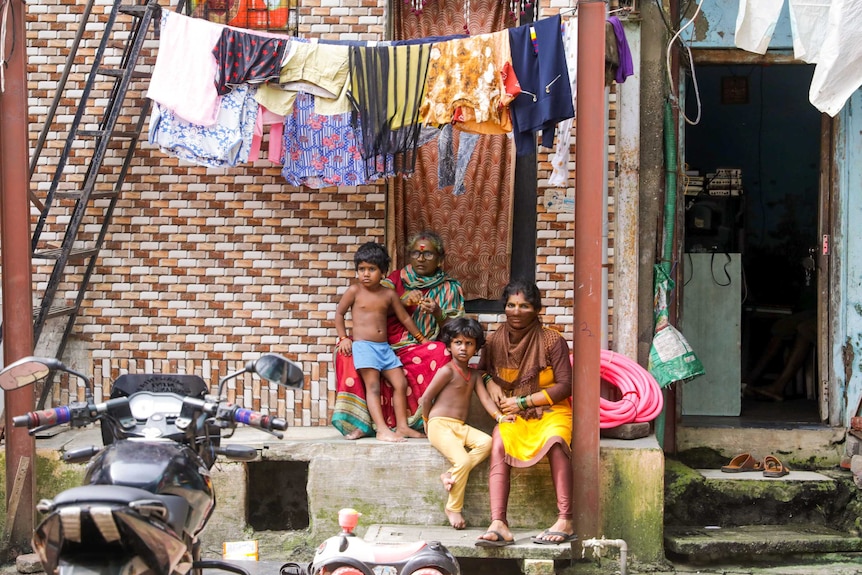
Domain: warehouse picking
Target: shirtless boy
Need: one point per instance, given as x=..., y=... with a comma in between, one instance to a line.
x=445, y=405
x=369, y=304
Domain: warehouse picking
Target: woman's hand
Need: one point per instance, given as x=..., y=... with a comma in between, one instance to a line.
x=509, y=406
x=412, y=298
x=430, y=306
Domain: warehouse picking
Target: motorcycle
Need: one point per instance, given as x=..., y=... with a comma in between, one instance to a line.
x=147, y=493
x=347, y=554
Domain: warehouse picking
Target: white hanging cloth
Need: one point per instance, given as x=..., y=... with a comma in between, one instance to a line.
x=839, y=65
x=755, y=24
x=808, y=24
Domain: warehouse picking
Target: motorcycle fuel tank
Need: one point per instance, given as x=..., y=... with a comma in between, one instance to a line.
x=163, y=467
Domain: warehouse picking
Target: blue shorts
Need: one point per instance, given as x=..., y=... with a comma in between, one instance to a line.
x=374, y=355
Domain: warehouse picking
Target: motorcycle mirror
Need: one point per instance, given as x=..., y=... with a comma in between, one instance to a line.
x=279, y=370
x=24, y=372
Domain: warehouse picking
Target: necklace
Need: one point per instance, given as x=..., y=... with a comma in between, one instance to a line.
x=461, y=373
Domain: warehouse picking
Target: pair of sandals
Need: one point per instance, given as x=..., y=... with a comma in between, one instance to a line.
x=539, y=539
x=771, y=466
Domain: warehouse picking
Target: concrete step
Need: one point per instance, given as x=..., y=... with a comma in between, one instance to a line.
x=703, y=545
x=709, y=497
x=462, y=543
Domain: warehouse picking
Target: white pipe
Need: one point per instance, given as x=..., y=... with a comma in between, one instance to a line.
x=602, y=543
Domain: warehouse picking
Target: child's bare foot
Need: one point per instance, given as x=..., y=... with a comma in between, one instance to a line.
x=409, y=432
x=389, y=436
x=355, y=434
x=448, y=482
x=456, y=520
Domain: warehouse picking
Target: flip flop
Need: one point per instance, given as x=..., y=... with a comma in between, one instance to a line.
x=567, y=537
x=742, y=463
x=499, y=542
x=772, y=467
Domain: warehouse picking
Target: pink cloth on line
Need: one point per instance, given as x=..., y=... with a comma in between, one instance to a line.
x=182, y=79
x=276, y=131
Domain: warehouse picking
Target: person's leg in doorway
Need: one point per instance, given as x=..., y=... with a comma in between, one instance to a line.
x=803, y=343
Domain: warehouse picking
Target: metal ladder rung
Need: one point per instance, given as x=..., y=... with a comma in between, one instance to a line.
x=119, y=72
x=96, y=195
x=114, y=134
x=133, y=9
x=56, y=311
x=74, y=254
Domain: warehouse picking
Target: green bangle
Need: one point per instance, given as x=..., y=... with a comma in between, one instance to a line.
x=522, y=402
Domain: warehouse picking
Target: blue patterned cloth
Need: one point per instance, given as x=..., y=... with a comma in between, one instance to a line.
x=226, y=143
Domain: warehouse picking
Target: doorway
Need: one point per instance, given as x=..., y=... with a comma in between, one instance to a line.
x=751, y=200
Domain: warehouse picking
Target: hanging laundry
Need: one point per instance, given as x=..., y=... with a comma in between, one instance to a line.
x=452, y=165
x=839, y=67
x=755, y=23
x=275, y=122
x=560, y=161
x=182, y=79
x=321, y=151
x=626, y=66
x=387, y=84
x=226, y=143
x=546, y=92
x=313, y=68
x=808, y=22
x=471, y=81
x=246, y=58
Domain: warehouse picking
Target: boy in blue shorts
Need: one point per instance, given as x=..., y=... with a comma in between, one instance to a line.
x=370, y=303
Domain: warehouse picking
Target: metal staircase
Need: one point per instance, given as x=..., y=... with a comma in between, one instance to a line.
x=90, y=171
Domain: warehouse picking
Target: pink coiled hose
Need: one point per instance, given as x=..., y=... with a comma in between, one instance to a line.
x=641, y=395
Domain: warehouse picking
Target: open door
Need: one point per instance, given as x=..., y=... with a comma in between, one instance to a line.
x=755, y=273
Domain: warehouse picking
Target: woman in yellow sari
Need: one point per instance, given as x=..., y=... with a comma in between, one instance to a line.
x=529, y=377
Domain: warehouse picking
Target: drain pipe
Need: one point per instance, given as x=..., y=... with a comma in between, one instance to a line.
x=599, y=544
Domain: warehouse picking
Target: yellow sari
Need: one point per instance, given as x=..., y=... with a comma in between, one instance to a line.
x=528, y=440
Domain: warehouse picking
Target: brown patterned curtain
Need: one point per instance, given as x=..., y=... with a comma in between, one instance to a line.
x=476, y=226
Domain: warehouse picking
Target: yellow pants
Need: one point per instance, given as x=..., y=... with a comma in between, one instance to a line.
x=465, y=447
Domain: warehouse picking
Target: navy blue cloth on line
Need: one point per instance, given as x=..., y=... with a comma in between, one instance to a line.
x=546, y=93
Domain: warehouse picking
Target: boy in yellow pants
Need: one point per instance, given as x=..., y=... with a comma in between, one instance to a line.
x=445, y=405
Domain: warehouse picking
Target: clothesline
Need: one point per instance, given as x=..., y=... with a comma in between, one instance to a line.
x=348, y=112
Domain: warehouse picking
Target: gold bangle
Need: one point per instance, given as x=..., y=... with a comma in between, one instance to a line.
x=340, y=339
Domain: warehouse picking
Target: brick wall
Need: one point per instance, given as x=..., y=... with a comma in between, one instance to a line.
x=205, y=269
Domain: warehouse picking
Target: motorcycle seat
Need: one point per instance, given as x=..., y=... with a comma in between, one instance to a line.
x=121, y=495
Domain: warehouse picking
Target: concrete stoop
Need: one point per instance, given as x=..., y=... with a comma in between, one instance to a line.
x=706, y=545
x=742, y=517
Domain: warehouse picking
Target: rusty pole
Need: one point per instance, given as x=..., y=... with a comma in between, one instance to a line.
x=16, y=281
x=589, y=178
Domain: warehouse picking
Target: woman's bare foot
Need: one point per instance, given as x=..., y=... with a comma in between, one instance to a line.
x=495, y=529
x=456, y=520
x=560, y=531
x=389, y=436
x=355, y=434
x=409, y=432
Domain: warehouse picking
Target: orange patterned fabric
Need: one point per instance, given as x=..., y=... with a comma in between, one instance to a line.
x=475, y=226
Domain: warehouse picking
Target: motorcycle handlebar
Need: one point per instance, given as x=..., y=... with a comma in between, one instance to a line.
x=259, y=420
x=45, y=417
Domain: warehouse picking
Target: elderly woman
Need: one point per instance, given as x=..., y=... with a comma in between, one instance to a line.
x=529, y=377
x=432, y=298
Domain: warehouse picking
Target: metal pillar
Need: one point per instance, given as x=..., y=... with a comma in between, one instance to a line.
x=590, y=162
x=17, y=284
